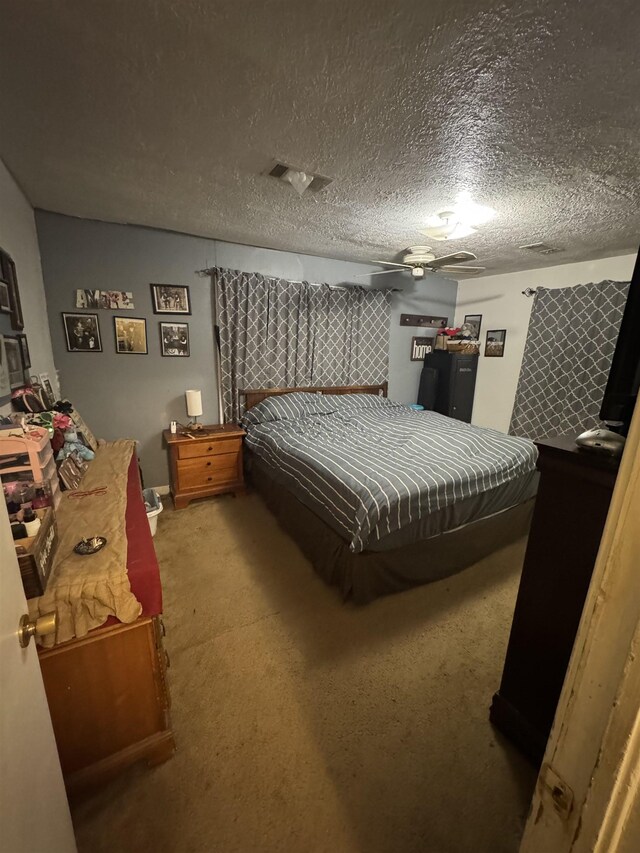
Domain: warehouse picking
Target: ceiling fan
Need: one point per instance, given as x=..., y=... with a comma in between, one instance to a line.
x=420, y=260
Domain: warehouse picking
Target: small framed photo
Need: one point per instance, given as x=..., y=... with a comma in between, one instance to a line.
x=82, y=332
x=421, y=347
x=24, y=350
x=5, y=300
x=14, y=362
x=131, y=335
x=47, y=393
x=170, y=299
x=69, y=473
x=174, y=339
x=494, y=346
x=475, y=321
x=81, y=464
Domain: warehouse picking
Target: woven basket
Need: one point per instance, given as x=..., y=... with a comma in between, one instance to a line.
x=469, y=347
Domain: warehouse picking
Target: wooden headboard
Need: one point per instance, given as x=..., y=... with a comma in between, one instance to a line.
x=253, y=397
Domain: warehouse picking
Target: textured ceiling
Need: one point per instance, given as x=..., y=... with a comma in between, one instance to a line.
x=166, y=114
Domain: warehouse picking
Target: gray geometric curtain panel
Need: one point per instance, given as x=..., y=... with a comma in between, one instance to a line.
x=567, y=356
x=277, y=333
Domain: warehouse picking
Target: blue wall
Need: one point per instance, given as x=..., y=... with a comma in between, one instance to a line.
x=135, y=396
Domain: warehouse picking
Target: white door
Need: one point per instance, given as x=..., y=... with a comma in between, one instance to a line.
x=34, y=813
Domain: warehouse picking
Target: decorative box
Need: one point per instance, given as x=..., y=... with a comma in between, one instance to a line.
x=35, y=554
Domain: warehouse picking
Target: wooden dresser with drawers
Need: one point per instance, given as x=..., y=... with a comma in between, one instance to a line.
x=205, y=462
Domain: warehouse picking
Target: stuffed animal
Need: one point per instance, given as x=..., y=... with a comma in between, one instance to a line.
x=72, y=444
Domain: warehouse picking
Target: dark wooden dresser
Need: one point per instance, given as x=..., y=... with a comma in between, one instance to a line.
x=568, y=519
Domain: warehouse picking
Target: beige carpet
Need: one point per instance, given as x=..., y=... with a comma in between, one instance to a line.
x=304, y=724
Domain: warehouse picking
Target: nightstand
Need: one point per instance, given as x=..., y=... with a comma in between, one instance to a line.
x=209, y=464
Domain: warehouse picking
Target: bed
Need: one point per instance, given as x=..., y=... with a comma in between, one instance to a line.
x=381, y=497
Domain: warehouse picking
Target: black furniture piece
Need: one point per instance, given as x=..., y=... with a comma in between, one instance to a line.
x=448, y=382
x=568, y=519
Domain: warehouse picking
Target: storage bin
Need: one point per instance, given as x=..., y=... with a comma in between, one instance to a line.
x=153, y=506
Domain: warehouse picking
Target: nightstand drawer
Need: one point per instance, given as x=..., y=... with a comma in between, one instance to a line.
x=208, y=448
x=198, y=473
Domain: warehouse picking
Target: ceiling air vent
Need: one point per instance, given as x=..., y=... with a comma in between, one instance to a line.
x=285, y=172
x=541, y=248
x=278, y=170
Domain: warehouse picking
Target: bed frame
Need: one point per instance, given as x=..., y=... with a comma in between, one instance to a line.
x=365, y=576
x=252, y=397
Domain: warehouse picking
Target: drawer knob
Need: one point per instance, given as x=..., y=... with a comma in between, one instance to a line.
x=209, y=448
x=208, y=464
x=209, y=479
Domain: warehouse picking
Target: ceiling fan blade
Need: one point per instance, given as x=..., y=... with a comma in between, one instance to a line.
x=379, y=272
x=391, y=264
x=467, y=270
x=455, y=258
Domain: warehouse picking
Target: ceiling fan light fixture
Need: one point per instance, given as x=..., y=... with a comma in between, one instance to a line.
x=460, y=221
x=447, y=226
x=417, y=272
x=471, y=213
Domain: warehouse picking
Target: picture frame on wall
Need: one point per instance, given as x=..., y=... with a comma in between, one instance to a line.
x=421, y=346
x=17, y=320
x=14, y=362
x=82, y=332
x=5, y=387
x=475, y=321
x=170, y=299
x=5, y=299
x=494, y=345
x=117, y=300
x=24, y=350
x=174, y=340
x=9, y=292
x=131, y=335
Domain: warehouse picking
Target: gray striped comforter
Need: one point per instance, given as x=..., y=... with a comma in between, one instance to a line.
x=368, y=466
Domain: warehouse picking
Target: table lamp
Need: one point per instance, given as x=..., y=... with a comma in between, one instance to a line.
x=194, y=407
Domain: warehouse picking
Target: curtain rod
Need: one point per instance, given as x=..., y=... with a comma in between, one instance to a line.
x=207, y=272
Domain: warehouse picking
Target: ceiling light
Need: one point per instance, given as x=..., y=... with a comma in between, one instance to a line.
x=458, y=222
x=471, y=213
x=447, y=226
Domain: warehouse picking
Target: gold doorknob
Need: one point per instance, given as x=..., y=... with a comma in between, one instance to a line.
x=43, y=625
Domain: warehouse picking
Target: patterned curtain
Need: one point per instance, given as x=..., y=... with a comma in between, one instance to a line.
x=277, y=333
x=570, y=342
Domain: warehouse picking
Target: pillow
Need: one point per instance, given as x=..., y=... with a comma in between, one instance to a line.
x=348, y=402
x=298, y=404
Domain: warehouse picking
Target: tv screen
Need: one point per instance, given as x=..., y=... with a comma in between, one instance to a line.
x=624, y=377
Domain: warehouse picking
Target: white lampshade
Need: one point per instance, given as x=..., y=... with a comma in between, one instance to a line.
x=194, y=403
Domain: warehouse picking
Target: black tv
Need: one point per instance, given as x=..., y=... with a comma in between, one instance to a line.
x=624, y=377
